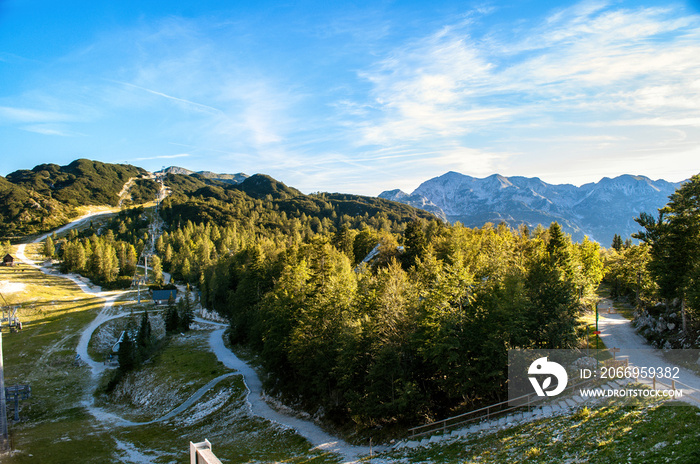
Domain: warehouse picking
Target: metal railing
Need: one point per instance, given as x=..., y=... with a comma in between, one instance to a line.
x=488, y=412
x=531, y=400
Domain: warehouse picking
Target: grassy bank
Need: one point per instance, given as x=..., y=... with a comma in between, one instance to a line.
x=623, y=431
x=57, y=425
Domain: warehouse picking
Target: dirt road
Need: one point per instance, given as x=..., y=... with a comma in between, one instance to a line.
x=618, y=332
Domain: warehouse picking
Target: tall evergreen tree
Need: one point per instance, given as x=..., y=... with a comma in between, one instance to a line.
x=674, y=239
x=127, y=353
x=617, y=243
x=186, y=311
x=157, y=269
x=49, y=247
x=143, y=337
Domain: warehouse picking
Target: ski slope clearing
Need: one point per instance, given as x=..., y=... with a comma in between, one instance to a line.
x=319, y=439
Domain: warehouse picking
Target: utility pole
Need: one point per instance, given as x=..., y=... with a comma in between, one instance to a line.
x=4, y=438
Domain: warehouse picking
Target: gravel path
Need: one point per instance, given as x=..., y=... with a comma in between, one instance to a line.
x=256, y=404
x=618, y=332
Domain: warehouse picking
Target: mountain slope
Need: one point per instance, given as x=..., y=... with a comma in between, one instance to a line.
x=24, y=212
x=225, y=178
x=598, y=210
x=45, y=197
x=82, y=182
x=199, y=199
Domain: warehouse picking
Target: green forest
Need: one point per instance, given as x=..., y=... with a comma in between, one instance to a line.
x=372, y=313
x=419, y=331
x=108, y=259
x=661, y=274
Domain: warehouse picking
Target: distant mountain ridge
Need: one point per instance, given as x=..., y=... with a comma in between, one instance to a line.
x=597, y=210
x=226, y=178
x=48, y=196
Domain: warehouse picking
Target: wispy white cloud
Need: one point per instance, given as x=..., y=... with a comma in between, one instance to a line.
x=29, y=115
x=50, y=129
x=588, y=65
x=180, y=155
x=189, y=103
x=425, y=89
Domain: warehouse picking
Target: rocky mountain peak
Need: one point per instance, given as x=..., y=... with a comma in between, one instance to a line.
x=597, y=210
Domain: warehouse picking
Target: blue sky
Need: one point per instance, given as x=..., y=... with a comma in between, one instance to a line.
x=355, y=97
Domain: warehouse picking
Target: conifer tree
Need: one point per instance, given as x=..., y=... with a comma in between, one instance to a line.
x=617, y=243
x=49, y=247
x=143, y=338
x=172, y=320
x=674, y=239
x=186, y=312
x=127, y=352
x=157, y=269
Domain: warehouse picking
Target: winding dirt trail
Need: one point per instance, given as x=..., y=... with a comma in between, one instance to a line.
x=258, y=407
x=618, y=332
x=256, y=404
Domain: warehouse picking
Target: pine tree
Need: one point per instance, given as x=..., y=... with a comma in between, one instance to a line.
x=157, y=268
x=143, y=338
x=130, y=262
x=617, y=243
x=128, y=358
x=186, y=270
x=675, y=242
x=80, y=257
x=559, y=250
x=110, y=270
x=160, y=248
x=172, y=320
x=414, y=242
x=49, y=247
x=186, y=312
x=168, y=254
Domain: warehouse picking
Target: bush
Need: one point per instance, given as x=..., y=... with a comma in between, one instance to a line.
x=119, y=283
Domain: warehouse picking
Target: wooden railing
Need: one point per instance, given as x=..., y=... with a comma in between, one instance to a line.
x=673, y=386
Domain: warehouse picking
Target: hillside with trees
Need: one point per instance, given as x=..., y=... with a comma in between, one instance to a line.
x=661, y=275
x=46, y=196
x=419, y=331
x=82, y=182
x=108, y=259
x=25, y=212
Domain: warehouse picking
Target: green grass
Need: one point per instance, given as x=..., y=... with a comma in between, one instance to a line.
x=624, y=431
x=57, y=428
x=177, y=370
x=52, y=310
